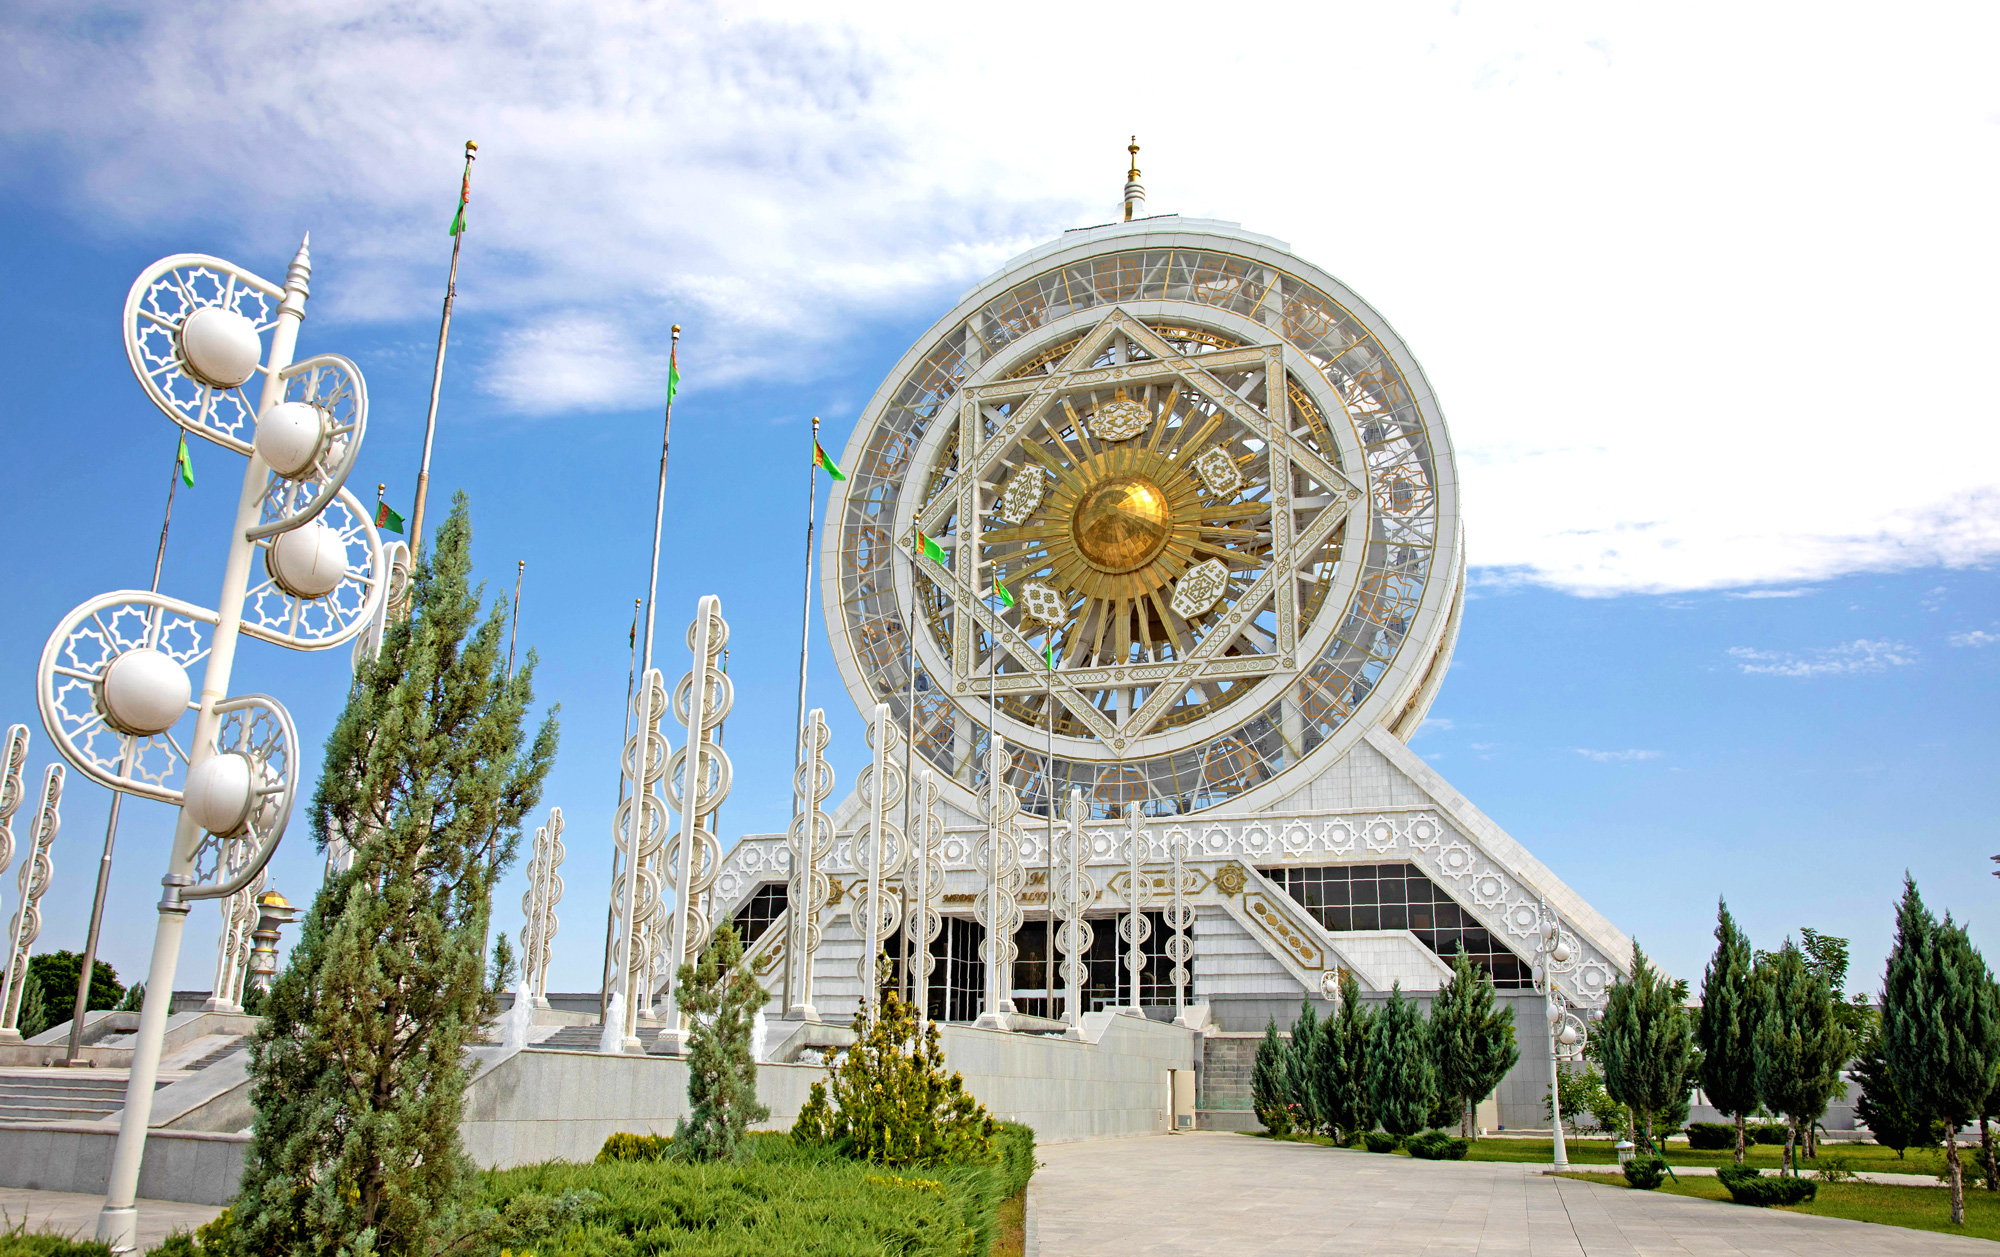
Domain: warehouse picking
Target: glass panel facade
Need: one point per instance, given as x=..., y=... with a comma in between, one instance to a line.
x=1399, y=897
x=958, y=979
x=764, y=907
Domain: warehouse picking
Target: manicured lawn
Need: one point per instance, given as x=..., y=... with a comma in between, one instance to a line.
x=1872, y=1158
x=1859, y=1156
x=1918, y=1208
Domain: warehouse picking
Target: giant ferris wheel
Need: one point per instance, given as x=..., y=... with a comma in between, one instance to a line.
x=1218, y=494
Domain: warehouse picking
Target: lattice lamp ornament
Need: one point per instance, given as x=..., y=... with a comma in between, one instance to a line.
x=16, y=759
x=545, y=889
x=997, y=907
x=640, y=829
x=113, y=685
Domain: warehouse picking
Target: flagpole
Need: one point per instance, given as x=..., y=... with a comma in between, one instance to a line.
x=646, y=725
x=798, y=926
x=909, y=780
x=611, y=907
x=514, y=625
x=117, y=800
x=437, y=371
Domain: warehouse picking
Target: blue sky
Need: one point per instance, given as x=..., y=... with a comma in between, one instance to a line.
x=1704, y=297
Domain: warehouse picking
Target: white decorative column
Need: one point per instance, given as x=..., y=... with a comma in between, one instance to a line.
x=811, y=841
x=545, y=888
x=1135, y=929
x=232, y=948
x=1076, y=893
x=641, y=830
x=1179, y=917
x=997, y=908
x=697, y=781
x=878, y=852
x=37, y=871
x=11, y=788
x=927, y=919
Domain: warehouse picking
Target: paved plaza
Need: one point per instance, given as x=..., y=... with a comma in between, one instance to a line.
x=75, y=1214
x=1226, y=1193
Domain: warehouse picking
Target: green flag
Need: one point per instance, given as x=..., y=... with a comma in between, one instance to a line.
x=673, y=374
x=464, y=195
x=1000, y=592
x=927, y=548
x=632, y=634
x=826, y=464
x=1050, y=655
x=185, y=463
x=386, y=517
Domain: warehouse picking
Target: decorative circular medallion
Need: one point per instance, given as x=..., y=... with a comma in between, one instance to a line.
x=1121, y=523
x=1217, y=491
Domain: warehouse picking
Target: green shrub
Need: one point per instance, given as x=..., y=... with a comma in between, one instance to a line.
x=1645, y=1173
x=891, y=1101
x=19, y=1241
x=1379, y=1141
x=1436, y=1145
x=214, y=1238
x=1749, y=1186
x=1711, y=1136
x=1766, y=1133
x=777, y=1196
x=623, y=1146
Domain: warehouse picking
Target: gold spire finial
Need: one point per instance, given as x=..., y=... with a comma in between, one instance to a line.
x=1135, y=192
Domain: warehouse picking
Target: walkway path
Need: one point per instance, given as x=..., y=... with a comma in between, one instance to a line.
x=1215, y=1193
x=75, y=1215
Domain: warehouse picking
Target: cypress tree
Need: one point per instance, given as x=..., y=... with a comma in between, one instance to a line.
x=1345, y=1101
x=720, y=996
x=1270, y=1088
x=1302, y=1062
x=1800, y=1043
x=503, y=970
x=1883, y=1108
x=1473, y=1039
x=33, y=1017
x=358, y=1070
x=1938, y=1025
x=1402, y=1074
x=1646, y=1042
x=1725, y=1025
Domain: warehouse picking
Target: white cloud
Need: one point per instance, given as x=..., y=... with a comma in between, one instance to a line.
x=1435, y=724
x=1846, y=659
x=1615, y=757
x=1768, y=593
x=1977, y=637
x=1653, y=387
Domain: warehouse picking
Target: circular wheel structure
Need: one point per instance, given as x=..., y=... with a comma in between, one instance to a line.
x=1215, y=486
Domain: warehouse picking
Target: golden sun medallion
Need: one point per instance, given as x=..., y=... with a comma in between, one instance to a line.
x=1121, y=523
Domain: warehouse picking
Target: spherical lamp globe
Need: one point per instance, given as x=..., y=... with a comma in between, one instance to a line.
x=143, y=692
x=219, y=347
x=290, y=436
x=1567, y=1036
x=218, y=794
x=308, y=562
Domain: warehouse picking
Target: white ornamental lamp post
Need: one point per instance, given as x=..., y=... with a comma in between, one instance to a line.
x=1557, y=953
x=113, y=685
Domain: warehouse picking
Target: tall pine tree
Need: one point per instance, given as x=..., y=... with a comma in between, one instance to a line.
x=720, y=996
x=1646, y=1042
x=1270, y=1082
x=1402, y=1073
x=1725, y=1025
x=1473, y=1038
x=1800, y=1044
x=1345, y=1101
x=1939, y=1025
x=1302, y=1062
x=1882, y=1107
x=358, y=1070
